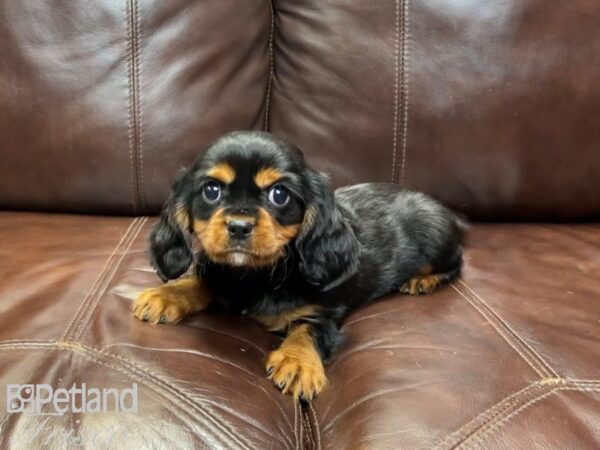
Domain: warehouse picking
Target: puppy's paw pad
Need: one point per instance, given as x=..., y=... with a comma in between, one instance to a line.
x=158, y=305
x=420, y=285
x=296, y=371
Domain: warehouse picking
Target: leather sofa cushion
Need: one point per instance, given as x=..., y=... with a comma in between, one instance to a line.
x=103, y=102
x=505, y=357
x=493, y=108
x=506, y=354
x=66, y=290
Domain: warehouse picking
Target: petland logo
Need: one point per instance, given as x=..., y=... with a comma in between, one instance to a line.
x=44, y=400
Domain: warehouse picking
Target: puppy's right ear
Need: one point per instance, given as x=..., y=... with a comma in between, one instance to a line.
x=170, y=241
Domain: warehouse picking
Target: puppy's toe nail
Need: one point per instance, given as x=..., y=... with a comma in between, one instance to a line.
x=163, y=319
x=269, y=370
x=281, y=384
x=146, y=317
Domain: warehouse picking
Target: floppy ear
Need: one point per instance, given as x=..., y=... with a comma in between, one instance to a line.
x=326, y=244
x=170, y=240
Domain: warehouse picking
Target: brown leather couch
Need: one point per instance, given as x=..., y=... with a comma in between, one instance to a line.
x=491, y=107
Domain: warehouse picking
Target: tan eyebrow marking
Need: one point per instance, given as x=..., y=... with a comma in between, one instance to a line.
x=266, y=177
x=222, y=172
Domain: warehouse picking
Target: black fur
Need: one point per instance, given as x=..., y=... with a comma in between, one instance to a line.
x=327, y=248
x=170, y=246
x=355, y=245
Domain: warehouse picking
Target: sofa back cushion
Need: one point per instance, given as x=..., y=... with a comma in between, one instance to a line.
x=493, y=108
x=103, y=102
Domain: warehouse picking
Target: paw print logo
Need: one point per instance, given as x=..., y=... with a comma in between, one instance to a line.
x=17, y=395
x=15, y=405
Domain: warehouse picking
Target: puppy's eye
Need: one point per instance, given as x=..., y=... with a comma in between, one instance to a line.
x=278, y=195
x=211, y=192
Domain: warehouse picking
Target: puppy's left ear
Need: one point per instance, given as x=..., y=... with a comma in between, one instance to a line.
x=327, y=245
x=170, y=241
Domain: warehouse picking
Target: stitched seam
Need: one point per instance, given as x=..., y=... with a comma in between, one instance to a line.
x=300, y=427
x=541, y=360
x=116, y=256
x=132, y=370
x=107, y=279
x=506, y=337
x=271, y=66
x=579, y=381
x=25, y=341
x=306, y=423
x=95, y=297
x=503, y=421
x=504, y=406
x=76, y=317
x=131, y=106
x=486, y=415
x=296, y=445
x=39, y=344
x=129, y=368
x=396, y=83
x=165, y=386
x=130, y=109
x=99, y=277
x=28, y=345
x=317, y=428
x=134, y=107
x=309, y=429
x=139, y=107
x=404, y=83
x=307, y=444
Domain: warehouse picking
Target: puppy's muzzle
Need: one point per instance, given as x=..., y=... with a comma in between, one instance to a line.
x=239, y=229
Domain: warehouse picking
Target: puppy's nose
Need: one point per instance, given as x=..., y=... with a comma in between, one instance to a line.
x=239, y=229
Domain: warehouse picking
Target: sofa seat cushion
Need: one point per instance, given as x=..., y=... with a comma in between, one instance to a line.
x=65, y=298
x=505, y=357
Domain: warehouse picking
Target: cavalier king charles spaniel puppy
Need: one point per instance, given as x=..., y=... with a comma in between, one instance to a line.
x=270, y=239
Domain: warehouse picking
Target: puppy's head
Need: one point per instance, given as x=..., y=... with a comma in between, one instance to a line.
x=247, y=201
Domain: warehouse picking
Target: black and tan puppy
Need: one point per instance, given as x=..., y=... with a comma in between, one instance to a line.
x=270, y=239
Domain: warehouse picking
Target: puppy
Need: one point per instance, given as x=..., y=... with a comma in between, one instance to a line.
x=269, y=239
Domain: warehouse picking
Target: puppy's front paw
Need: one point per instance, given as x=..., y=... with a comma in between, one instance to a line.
x=420, y=285
x=296, y=370
x=161, y=305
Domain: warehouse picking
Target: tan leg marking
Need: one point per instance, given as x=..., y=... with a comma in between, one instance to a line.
x=421, y=285
x=284, y=320
x=296, y=367
x=171, y=302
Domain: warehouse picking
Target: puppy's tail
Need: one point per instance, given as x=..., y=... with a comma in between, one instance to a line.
x=462, y=226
